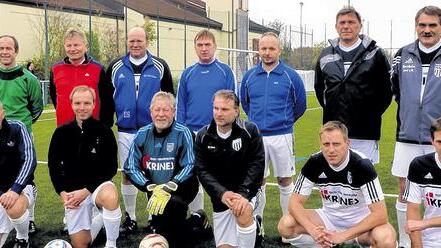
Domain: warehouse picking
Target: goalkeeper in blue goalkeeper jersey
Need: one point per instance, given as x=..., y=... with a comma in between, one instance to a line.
x=161, y=162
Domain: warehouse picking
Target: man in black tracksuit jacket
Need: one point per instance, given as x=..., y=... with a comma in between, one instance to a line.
x=352, y=83
x=230, y=164
x=82, y=162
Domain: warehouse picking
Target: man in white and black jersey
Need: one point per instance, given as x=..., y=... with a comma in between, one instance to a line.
x=424, y=184
x=353, y=203
x=352, y=83
x=416, y=81
x=134, y=79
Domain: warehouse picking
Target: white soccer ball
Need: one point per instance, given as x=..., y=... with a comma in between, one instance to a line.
x=58, y=243
x=153, y=241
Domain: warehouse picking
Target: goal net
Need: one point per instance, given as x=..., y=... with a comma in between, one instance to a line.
x=239, y=60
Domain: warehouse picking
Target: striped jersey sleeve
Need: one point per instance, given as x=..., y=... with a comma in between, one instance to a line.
x=134, y=158
x=372, y=191
x=413, y=192
x=27, y=156
x=303, y=185
x=187, y=158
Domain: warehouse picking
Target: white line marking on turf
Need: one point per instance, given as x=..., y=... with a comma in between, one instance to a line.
x=49, y=119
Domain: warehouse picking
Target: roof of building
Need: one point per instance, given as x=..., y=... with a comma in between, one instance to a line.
x=80, y=6
x=172, y=10
x=179, y=11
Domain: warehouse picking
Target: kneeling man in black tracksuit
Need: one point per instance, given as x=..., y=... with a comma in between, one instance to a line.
x=230, y=164
x=82, y=163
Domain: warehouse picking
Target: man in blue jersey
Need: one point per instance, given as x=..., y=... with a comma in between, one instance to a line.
x=160, y=162
x=196, y=88
x=273, y=96
x=17, y=164
x=134, y=79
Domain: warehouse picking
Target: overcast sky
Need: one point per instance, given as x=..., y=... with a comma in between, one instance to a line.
x=377, y=15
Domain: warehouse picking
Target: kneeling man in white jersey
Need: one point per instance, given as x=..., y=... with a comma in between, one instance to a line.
x=424, y=182
x=353, y=203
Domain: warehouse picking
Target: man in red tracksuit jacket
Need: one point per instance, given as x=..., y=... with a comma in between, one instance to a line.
x=76, y=69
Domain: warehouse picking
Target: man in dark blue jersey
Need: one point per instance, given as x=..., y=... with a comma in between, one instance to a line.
x=17, y=165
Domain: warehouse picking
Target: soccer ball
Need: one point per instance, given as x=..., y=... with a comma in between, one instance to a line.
x=153, y=240
x=58, y=243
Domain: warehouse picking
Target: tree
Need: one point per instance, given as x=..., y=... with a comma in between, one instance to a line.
x=94, y=48
x=150, y=29
x=58, y=23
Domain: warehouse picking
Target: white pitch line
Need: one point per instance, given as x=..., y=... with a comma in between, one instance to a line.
x=46, y=111
x=49, y=119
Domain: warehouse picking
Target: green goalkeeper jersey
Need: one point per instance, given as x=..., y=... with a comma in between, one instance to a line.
x=20, y=93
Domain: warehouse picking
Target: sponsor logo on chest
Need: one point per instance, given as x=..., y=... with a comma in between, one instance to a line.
x=408, y=65
x=335, y=196
x=433, y=199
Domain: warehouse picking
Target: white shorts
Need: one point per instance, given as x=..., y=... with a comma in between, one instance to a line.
x=81, y=218
x=278, y=151
x=404, y=154
x=125, y=140
x=225, y=227
x=329, y=225
x=5, y=223
x=370, y=148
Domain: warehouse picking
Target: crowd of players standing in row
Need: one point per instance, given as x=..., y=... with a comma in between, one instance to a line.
x=354, y=85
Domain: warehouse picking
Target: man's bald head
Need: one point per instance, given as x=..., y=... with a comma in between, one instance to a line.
x=137, y=42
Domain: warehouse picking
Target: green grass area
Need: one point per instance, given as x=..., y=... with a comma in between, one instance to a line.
x=49, y=211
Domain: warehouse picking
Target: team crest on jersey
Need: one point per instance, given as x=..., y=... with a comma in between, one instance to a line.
x=437, y=70
x=349, y=177
x=10, y=143
x=237, y=144
x=170, y=147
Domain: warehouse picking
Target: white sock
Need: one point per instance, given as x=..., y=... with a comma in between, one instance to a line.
x=261, y=204
x=303, y=240
x=129, y=193
x=285, y=194
x=246, y=236
x=404, y=239
x=31, y=207
x=95, y=227
x=112, y=220
x=3, y=237
x=21, y=225
x=198, y=201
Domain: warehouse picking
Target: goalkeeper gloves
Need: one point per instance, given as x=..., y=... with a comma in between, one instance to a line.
x=160, y=197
